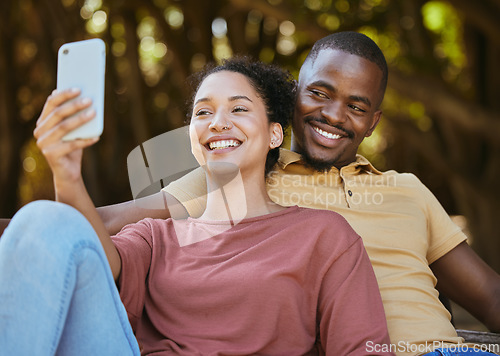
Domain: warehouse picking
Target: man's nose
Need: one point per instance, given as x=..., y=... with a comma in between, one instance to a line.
x=334, y=112
x=220, y=122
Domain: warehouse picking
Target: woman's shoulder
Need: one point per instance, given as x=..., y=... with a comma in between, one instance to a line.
x=322, y=216
x=146, y=227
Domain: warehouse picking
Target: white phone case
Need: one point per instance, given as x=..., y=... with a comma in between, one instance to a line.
x=82, y=65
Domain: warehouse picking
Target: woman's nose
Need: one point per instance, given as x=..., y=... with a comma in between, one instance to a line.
x=220, y=123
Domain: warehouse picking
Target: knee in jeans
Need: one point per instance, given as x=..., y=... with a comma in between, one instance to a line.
x=49, y=221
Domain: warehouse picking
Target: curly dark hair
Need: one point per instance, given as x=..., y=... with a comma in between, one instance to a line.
x=275, y=86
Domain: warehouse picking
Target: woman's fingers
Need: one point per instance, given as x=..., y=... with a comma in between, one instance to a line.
x=55, y=99
x=58, y=107
x=64, y=148
x=57, y=132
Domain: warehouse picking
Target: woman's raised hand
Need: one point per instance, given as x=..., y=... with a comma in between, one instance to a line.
x=60, y=115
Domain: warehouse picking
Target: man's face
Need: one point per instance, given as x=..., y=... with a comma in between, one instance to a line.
x=337, y=107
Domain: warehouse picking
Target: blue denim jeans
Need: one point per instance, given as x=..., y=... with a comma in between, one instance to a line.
x=458, y=351
x=57, y=293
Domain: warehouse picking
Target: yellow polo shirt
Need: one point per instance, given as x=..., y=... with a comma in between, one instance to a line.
x=403, y=226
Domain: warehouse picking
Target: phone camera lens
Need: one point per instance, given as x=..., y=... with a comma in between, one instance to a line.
x=65, y=51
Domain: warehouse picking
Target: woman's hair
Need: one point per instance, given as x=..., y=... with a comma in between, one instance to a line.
x=274, y=85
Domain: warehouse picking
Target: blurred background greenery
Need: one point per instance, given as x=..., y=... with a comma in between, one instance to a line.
x=441, y=112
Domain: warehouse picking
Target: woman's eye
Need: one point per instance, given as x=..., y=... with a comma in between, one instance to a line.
x=202, y=112
x=240, y=109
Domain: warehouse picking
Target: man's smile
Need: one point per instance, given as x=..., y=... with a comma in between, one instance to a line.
x=326, y=134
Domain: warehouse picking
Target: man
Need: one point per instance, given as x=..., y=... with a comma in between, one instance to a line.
x=409, y=237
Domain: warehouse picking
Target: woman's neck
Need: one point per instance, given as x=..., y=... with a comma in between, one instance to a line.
x=235, y=197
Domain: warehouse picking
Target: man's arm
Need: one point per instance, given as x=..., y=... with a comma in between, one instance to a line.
x=467, y=280
x=116, y=216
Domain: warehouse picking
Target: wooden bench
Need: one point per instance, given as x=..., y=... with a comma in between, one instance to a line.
x=480, y=337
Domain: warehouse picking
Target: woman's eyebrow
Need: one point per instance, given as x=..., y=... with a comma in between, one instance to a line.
x=238, y=97
x=231, y=98
x=201, y=100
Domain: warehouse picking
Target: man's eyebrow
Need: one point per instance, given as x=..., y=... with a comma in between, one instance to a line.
x=328, y=86
x=323, y=84
x=362, y=99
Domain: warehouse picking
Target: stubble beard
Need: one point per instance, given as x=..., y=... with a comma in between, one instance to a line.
x=318, y=164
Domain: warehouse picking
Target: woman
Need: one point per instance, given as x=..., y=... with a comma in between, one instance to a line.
x=247, y=277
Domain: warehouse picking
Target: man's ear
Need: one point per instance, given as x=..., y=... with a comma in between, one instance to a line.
x=375, y=120
x=276, y=135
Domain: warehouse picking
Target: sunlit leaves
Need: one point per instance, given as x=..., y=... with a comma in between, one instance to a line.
x=151, y=50
x=219, y=27
x=286, y=44
x=26, y=50
x=220, y=41
x=267, y=54
x=197, y=62
x=329, y=21
x=387, y=41
x=221, y=48
x=342, y=5
x=174, y=17
x=96, y=17
x=374, y=146
x=252, y=27
x=442, y=19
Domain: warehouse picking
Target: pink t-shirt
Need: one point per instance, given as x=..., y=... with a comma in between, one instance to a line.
x=268, y=285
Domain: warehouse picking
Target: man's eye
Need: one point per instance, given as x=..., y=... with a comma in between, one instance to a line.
x=319, y=94
x=356, y=108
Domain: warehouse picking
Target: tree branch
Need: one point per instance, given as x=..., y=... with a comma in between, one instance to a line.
x=446, y=106
x=482, y=15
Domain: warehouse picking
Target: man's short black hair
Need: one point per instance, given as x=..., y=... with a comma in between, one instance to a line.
x=353, y=43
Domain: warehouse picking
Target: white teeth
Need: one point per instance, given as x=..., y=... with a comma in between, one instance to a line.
x=219, y=145
x=326, y=134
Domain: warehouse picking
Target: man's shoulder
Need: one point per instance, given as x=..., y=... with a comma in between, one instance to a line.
x=403, y=178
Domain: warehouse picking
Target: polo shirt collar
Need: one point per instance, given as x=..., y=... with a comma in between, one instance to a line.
x=361, y=164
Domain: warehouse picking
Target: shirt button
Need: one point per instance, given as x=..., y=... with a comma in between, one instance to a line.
x=350, y=193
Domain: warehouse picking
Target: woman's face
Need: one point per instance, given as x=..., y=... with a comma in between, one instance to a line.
x=229, y=125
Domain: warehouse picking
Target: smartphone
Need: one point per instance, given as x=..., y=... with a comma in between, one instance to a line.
x=82, y=65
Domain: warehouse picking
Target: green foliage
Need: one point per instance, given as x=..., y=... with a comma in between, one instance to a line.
x=443, y=20
x=440, y=109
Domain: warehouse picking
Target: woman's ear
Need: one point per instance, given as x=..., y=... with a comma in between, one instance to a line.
x=276, y=135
